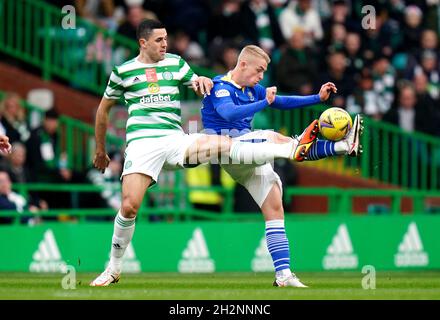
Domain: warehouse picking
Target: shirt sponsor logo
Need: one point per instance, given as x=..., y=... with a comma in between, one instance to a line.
x=222, y=93
x=153, y=88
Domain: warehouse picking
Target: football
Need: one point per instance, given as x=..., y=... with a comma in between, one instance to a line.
x=335, y=123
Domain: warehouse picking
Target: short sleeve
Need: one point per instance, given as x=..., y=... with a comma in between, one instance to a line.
x=114, y=88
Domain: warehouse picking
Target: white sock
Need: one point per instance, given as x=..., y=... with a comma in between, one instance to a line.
x=122, y=235
x=259, y=153
x=341, y=147
x=282, y=274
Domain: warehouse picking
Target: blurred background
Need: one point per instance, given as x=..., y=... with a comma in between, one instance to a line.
x=54, y=69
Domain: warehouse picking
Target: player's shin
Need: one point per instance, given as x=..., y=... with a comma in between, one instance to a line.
x=122, y=235
x=278, y=246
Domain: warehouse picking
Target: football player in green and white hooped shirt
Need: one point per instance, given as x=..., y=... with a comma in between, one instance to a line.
x=155, y=139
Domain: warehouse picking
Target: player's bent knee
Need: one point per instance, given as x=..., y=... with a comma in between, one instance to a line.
x=129, y=209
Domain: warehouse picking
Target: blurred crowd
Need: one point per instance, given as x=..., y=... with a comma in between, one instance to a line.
x=386, y=66
x=37, y=157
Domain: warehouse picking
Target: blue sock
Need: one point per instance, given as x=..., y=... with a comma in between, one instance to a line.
x=277, y=244
x=321, y=149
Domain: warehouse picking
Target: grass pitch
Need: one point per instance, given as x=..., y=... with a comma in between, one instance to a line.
x=223, y=286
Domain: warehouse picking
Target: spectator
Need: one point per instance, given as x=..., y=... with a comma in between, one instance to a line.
x=384, y=79
x=135, y=15
x=180, y=43
x=301, y=15
x=223, y=22
x=381, y=40
x=407, y=113
x=364, y=99
x=227, y=59
x=353, y=51
x=15, y=166
x=10, y=200
x=425, y=99
x=190, y=16
x=297, y=69
x=47, y=163
x=260, y=25
x=412, y=27
x=430, y=68
x=99, y=12
x=337, y=37
x=14, y=118
x=340, y=14
x=337, y=74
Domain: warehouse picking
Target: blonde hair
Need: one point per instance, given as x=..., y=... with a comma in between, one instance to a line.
x=254, y=51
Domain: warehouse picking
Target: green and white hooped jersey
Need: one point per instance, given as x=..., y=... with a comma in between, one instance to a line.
x=151, y=92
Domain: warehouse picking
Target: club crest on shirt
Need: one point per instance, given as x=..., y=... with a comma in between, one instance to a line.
x=222, y=93
x=167, y=75
x=251, y=96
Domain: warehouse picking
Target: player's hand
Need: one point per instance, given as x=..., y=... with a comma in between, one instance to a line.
x=271, y=92
x=202, y=85
x=101, y=161
x=5, y=146
x=326, y=90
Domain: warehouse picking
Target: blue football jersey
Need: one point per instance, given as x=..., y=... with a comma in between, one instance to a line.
x=225, y=90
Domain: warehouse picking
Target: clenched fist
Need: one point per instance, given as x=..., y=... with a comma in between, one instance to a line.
x=270, y=94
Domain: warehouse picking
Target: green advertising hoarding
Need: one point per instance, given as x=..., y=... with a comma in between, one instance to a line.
x=324, y=243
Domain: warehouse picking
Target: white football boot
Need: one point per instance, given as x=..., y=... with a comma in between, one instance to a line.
x=289, y=281
x=353, y=137
x=106, y=278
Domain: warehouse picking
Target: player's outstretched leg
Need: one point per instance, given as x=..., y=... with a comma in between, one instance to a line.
x=350, y=145
x=305, y=141
x=353, y=138
x=244, y=152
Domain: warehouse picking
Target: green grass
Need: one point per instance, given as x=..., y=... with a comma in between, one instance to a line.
x=222, y=286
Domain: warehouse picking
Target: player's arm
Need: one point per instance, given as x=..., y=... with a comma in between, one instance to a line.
x=112, y=94
x=200, y=84
x=227, y=109
x=292, y=102
x=101, y=159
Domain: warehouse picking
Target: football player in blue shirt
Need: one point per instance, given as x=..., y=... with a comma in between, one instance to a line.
x=229, y=110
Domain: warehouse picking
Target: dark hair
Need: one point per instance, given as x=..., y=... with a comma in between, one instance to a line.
x=51, y=114
x=146, y=27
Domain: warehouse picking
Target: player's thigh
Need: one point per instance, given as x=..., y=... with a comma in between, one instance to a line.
x=205, y=148
x=146, y=156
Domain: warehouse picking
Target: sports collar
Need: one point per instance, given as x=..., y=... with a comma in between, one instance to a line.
x=228, y=78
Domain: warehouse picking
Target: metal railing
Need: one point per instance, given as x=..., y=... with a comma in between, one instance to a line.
x=340, y=202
